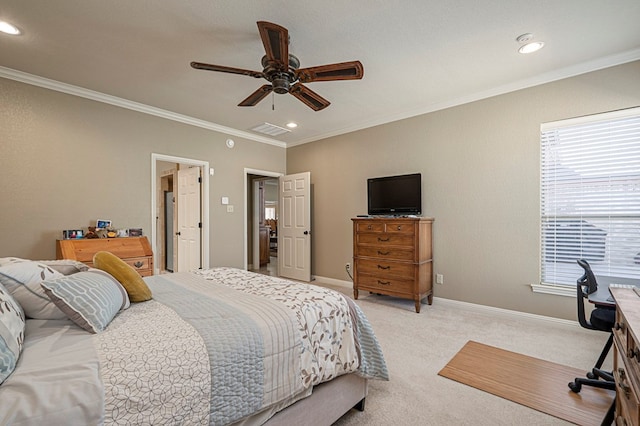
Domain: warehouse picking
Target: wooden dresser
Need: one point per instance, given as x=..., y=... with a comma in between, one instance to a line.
x=626, y=361
x=393, y=256
x=136, y=251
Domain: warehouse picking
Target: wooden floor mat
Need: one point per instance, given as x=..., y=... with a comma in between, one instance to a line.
x=532, y=382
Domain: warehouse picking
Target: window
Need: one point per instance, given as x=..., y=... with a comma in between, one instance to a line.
x=590, y=196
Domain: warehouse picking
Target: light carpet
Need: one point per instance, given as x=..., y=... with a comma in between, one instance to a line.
x=418, y=346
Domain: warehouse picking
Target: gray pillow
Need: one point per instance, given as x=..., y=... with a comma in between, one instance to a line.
x=11, y=333
x=91, y=299
x=66, y=266
x=22, y=279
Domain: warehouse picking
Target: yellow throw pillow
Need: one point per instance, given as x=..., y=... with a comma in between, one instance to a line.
x=127, y=276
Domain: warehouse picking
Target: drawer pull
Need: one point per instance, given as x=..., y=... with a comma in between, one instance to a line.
x=383, y=240
x=399, y=227
x=138, y=264
x=369, y=227
x=619, y=326
x=383, y=253
x=621, y=383
x=384, y=267
x=384, y=282
x=633, y=352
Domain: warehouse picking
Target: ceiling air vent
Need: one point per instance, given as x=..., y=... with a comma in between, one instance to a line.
x=269, y=129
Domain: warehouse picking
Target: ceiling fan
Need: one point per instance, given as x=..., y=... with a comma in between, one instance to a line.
x=282, y=70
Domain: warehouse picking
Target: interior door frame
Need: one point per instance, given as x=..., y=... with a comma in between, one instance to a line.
x=204, y=213
x=247, y=191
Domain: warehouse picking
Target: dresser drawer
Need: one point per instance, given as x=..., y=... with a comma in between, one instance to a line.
x=399, y=228
x=384, y=269
x=627, y=404
x=138, y=263
x=385, y=285
x=385, y=239
x=385, y=252
x=390, y=227
x=369, y=226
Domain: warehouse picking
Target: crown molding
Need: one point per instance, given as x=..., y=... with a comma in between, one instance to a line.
x=555, y=75
x=70, y=89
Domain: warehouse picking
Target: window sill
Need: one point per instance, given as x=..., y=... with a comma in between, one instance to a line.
x=554, y=289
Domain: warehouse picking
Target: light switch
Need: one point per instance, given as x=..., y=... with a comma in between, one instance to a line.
x=211, y=171
x=225, y=200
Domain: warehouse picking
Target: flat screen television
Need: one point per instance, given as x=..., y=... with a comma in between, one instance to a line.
x=395, y=195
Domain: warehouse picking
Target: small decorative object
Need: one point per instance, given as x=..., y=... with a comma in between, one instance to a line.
x=111, y=233
x=135, y=232
x=71, y=234
x=101, y=233
x=91, y=233
x=123, y=233
x=103, y=224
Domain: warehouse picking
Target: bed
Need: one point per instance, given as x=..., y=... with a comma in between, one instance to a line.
x=220, y=347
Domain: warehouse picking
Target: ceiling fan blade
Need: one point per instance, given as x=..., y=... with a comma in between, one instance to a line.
x=276, y=42
x=257, y=96
x=309, y=97
x=210, y=67
x=341, y=71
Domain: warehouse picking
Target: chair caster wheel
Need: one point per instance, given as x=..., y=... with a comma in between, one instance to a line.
x=590, y=375
x=575, y=387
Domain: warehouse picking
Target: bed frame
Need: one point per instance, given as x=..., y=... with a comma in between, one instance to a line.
x=328, y=402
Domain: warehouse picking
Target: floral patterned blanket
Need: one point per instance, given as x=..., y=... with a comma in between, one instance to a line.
x=269, y=340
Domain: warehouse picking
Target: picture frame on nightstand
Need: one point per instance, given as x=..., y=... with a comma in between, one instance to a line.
x=103, y=224
x=135, y=232
x=72, y=234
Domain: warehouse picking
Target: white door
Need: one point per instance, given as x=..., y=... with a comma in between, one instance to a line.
x=294, y=227
x=188, y=219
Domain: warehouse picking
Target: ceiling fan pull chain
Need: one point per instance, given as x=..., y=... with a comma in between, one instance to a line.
x=273, y=101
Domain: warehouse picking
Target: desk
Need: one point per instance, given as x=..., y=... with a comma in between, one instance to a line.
x=626, y=361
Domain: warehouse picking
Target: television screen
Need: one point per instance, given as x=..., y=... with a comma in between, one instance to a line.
x=395, y=195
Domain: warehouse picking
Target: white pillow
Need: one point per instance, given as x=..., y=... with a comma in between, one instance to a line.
x=8, y=260
x=22, y=279
x=11, y=333
x=91, y=299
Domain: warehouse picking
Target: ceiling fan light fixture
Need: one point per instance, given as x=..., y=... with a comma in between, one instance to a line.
x=8, y=28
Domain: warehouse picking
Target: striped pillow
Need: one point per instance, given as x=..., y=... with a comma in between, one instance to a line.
x=11, y=333
x=91, y=299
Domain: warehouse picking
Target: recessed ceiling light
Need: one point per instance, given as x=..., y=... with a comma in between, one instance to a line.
x=292, y=125
x=7, y=28
x=531, y=47
x=528, y=46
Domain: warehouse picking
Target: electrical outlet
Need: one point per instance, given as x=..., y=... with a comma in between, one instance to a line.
x=347, y=266
x=439, y=279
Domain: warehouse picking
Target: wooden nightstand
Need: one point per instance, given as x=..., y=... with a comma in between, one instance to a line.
x=136, y=251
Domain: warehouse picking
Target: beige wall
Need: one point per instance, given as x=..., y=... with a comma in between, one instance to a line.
x=480, y=171
x=66, y=161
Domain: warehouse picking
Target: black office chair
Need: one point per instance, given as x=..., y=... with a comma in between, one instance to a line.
x=602, y=318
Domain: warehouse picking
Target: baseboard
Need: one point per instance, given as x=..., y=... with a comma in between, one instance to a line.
x=466, y=305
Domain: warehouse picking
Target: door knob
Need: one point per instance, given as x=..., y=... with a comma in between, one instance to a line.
x=178, y=233
x=307, y=233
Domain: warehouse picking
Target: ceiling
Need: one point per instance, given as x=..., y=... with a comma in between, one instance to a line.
x=418, y=56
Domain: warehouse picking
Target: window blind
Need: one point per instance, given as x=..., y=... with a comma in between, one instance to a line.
x=590, y=196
